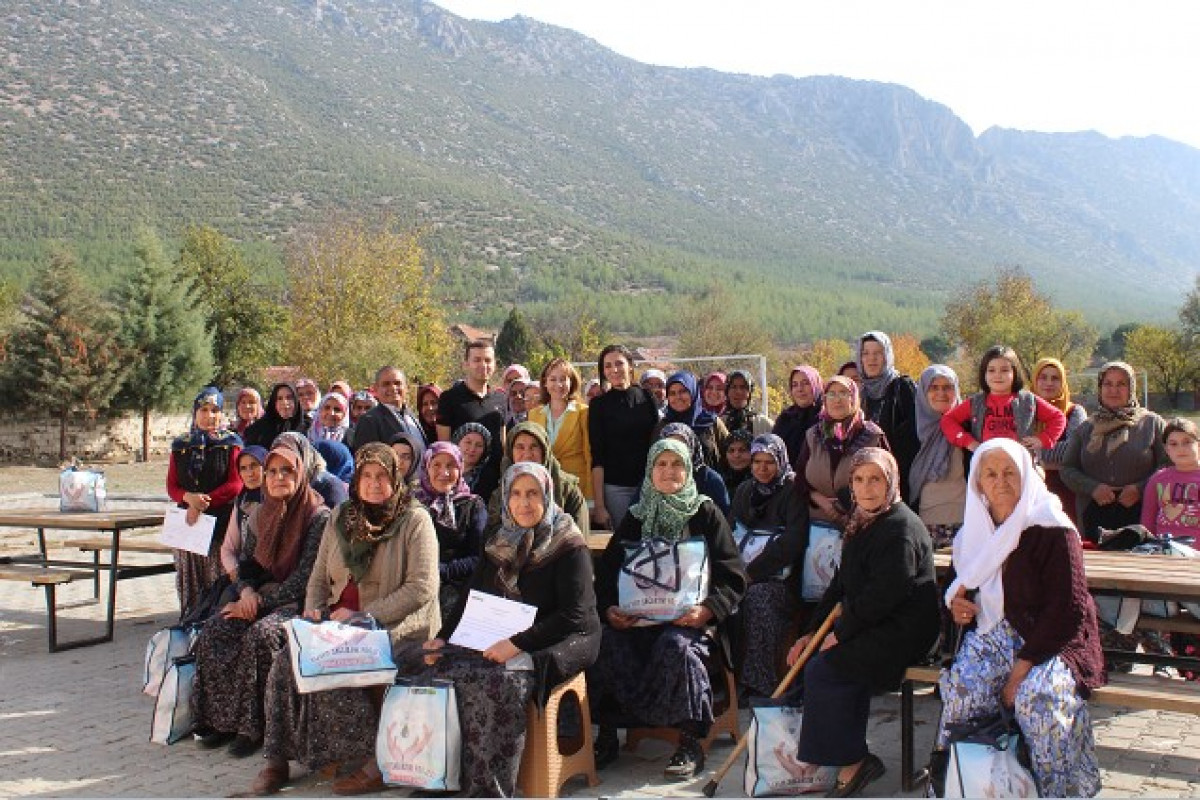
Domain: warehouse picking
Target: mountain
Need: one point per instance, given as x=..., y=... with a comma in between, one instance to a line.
x=547, y=169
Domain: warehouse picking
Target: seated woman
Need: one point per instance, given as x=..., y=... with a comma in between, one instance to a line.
x=475, y=442
x=378, y=556
x=734, y=466
x=459, y=518
x=1034, y=645
x=656, y=675
x=768, y=503
x=235, y=649
x=527, y=442
x=537, y=557
x=804, y=389
x=282, y=413
x=408, y=449
x=738, y=414
x=708, y=480
x=937, y=480
x=333, y=490
x=889, y=622
x=565, y=418
x=684, y=405
x=333, y=419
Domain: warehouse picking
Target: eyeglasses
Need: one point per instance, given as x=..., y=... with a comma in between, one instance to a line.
x=280, y=472
x=835, y=395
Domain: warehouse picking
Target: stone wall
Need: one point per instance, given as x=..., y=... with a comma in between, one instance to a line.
x=26, y=439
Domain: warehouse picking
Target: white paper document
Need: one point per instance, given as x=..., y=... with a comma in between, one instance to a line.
x=193, y=538
x=488, y=619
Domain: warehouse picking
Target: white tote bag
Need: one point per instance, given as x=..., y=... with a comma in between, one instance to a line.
x=333, y=655
x=81, y=490
x=164, y=647
x=418, y=742
x=772, y=768
x=173, y=707
x=751, y=542
x=978, y=769
x=821, y=559
x=660, y=580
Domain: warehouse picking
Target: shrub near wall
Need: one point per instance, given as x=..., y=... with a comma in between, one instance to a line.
x=28, y=439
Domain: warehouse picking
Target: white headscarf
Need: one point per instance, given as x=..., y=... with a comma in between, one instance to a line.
x=981, y=548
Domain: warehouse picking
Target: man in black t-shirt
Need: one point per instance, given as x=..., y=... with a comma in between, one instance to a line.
x=472, y=401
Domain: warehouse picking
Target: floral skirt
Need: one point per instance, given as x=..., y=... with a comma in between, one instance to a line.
x=1052, y=715
x=763, y=619
x=193, y=575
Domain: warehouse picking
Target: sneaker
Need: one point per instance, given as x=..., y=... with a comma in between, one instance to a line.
x=687, y=760
x=606, y=747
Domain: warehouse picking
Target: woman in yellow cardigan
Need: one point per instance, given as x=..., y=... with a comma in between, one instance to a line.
x=565, y=418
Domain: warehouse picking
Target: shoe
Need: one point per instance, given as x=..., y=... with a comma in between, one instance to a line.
x=606, y=747
x=270, y=780
x=364, y=780
x=243, y=746
x=687, y=760
x=213, y=739
x=870, y=769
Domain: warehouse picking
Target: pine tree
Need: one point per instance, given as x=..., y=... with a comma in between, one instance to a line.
x=63, y=356
x=516, y=342
x=162, y=331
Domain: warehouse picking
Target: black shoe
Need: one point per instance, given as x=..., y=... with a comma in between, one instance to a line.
x=687, y=760
x=606, y=747
x=243, y=746
x=211, y=740
x=870, y=769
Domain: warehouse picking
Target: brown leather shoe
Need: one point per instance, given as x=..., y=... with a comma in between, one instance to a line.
x=364, y=780
x=270, y=780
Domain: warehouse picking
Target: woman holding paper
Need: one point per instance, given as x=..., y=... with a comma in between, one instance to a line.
x=203, y=477
x=538, y=558
x=655, y=674
x=378, y=556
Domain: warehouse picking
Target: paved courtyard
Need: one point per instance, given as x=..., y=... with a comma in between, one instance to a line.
x=75, y=723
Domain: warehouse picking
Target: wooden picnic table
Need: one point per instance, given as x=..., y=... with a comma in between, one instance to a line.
x=43, y=570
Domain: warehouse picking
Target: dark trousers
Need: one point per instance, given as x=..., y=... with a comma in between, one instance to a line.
x=834, y=732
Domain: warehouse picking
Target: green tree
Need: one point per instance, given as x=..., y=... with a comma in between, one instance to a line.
x=1112, y=347
x=163, y=332
x=937, y=348
x=715, y=326
x=63, y=356
x=362, y=297
x=516, y=341
x=245, y=320
x=1171, y=364
x=1189, y=313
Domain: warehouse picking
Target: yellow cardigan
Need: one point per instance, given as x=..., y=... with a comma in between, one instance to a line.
x=571, y=447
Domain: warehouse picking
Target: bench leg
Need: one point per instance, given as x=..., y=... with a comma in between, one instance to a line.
x=96, y=574
x=907, y=725
x=52, y=616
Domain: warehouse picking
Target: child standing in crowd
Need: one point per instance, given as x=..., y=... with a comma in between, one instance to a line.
x=1171, y=504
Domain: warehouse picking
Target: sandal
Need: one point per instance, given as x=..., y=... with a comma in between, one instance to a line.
x=870, y=769
x=364, y=780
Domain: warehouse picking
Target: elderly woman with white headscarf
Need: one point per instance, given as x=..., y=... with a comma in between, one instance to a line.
x=1034, y=645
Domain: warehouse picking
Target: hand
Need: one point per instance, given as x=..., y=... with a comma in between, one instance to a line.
x=798, y=648
x=961, y=609
x=1129, y=496
x=313, y=616
x=431, y=647
x=618, y=619
x=1021, y=668
x=197, y=501
x=250, y=601
x=341, y=615
x=826, y=504
x=1032, y=443
x=600, y=516
x=695, y=617
x=502, y=651
x=830, y=640
x=191, y=516
x=1104, y=495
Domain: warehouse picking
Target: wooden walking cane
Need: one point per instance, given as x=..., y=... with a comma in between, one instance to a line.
x=710, y=788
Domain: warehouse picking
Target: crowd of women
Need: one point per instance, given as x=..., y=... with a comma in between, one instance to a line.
x=348, y=503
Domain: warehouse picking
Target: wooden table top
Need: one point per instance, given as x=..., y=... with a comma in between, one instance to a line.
x=84, y=521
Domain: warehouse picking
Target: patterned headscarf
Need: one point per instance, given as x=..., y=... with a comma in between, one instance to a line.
x=860, y=517
x=513, y=549
x=1118, y=421
x=837, y=435
x=932, y=461
x=194, y=447
x=471, y=476
x=441, y=505
x=678, y=430
x=318, y=431
x=361, y=525
x=665, y=516
x=772, y=445
x=876, y=387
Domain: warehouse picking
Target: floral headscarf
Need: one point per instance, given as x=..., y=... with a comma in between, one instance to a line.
x=441, y=504
x=361, y=525
x=195, y=446
x=837, y=435
x=1116, y=421
x=665, y=516
x=678, y=430
x=772, y=445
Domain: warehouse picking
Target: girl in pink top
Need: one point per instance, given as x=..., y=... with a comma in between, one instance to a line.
x=1002, y=408
x=1171, y=502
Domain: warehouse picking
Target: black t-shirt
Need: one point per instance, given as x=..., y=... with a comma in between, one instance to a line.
x=459, y=405
x=621, y=426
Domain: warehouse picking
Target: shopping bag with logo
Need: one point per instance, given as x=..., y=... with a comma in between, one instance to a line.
x=821, y=559
x=336, y=655
x=1168, y=546
x=164, y=647
x=772, y=767
x=81, y=490
x=173, y=707
x=660, y=580
x=751, y=542
x=418, y=742
x=989, y=759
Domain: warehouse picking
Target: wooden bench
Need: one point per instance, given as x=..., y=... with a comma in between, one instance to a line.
x=48, y=579
x=1143, y=692
x=129, y=544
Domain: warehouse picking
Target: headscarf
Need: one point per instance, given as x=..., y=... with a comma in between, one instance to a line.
x=695, y=416
x=193, y=448
x=240, y=425
x=838, y=435
x=361, y=526
x=314, y=462
x=665, y=516
x=1114, y=420
x=471, y=476
x=678, y=430
x=860, y=518
x=418, y=451
x=587, y=387
x=363, y=396
x=1063, y=401
x=772, y=445
x=717, y=409
x=280, y=524
x=513, y=549
x=932, y=461
x=559, y=478
x=318, y=432
x=814, y=381
x=267, y=427
x=981, y=547
x=738, y=418
x=874, y=388
x=734, y=477
x=339, y=461
x=429, y=430
x=248, y=499
x=441, y=505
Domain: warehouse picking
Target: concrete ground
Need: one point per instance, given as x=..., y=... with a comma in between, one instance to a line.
x=76, y=724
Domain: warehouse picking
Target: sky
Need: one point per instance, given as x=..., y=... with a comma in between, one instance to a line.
x=1121, y=68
